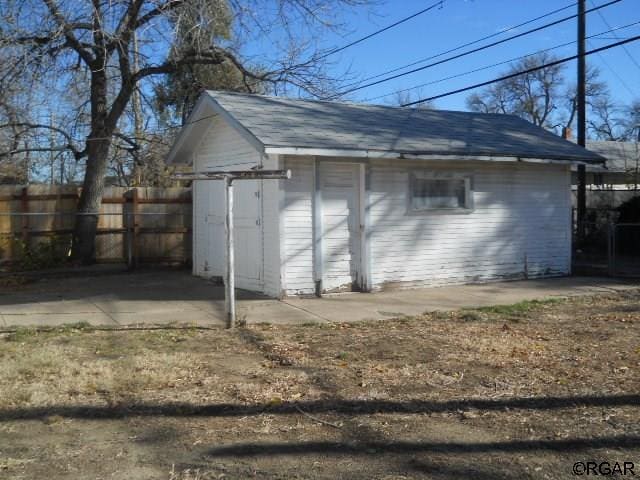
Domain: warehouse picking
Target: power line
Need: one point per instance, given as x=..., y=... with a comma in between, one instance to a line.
x=523, y=72
x=628, y=40
x=451, y=77
x=439, y=4
x=469, y=72
x=613, y=71
x=468, y=44
x=466, y=53
x=626, y=50
x=610, y=38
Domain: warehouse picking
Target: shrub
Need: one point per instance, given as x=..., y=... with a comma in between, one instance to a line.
x=50, y=253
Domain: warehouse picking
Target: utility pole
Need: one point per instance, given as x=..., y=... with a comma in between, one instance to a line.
x=581, y=102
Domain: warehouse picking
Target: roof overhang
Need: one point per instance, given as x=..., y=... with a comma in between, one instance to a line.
x=196, y=125
x=207, y=107
x=378, y=154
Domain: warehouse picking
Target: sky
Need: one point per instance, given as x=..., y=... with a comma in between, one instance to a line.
x=462, y=21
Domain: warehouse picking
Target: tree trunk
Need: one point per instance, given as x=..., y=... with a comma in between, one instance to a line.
x=83, y=249
x=86, y=225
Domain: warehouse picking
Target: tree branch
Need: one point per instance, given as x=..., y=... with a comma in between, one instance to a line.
x=67, y=31
x=215, y=56
x=161, y=10
x=58, y=148
x=78, y=154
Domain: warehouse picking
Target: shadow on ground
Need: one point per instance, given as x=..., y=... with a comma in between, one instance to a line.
x=347, y=407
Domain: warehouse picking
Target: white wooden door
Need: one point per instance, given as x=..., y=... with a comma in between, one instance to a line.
x=213, y=249
x=247, y=234
x=339, y=192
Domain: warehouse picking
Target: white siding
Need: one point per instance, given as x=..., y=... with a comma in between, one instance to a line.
x=519, y=227
x=272, y=192
x=340, y=225
x=297, y=211
x=223, y=148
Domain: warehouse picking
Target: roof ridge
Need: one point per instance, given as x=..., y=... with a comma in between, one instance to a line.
x=213, y=93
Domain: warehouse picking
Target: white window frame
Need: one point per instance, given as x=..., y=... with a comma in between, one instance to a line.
x=434, y=175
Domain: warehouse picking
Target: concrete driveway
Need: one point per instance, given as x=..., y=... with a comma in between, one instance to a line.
x=161, y=297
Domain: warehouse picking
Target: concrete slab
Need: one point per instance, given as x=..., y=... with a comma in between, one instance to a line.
x=50, y=307
x=175, y=297
x=173, y=317
x=147, y=306
x=374, y=306
x=58, y=319
x=281, y=313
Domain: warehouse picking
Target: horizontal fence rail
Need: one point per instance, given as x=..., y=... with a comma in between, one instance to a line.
x=135, y=225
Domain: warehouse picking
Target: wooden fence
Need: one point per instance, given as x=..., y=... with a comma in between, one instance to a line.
x=135, y=225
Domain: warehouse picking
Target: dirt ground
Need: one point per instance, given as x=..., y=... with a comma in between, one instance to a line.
x=514, y=392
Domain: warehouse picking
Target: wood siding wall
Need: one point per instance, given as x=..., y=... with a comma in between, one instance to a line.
x=223, y=148
x=519, y=227
x=297, y=242
x=272, y=198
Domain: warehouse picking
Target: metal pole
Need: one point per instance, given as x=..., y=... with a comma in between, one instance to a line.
x=581, y=105
x=228, y=177
x=230, y=299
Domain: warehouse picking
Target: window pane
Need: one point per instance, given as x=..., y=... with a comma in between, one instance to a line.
x=438, y=193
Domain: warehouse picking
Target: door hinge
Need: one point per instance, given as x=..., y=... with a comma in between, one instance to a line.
x=258, y=221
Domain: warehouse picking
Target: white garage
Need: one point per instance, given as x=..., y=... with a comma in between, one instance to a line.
x=379, y=197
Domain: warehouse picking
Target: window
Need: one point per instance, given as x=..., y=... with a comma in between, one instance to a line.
x=440, y=192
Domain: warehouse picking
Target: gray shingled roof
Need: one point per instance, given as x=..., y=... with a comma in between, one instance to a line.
x=621, y=156
x=280, y=122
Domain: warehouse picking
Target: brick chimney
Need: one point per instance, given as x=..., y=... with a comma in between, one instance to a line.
x=566, y=133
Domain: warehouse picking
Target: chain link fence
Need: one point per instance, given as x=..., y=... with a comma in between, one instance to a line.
x=624, y=249
x=607, y=248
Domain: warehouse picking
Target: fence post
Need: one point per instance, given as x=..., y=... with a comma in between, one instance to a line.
x=134, y=218
x=609, y=249
x=126, y=212
x=24, y=208
x=131, y=218
x=612, y=250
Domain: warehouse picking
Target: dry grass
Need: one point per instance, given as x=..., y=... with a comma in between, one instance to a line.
x=576, y=348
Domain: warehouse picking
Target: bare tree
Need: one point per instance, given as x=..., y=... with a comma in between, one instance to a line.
x=541, y=97
x=597, y=95
x=534, y=96
x=402, y=97
x=58, y=42
x=632, y=121
x=606, y=121
x=613, y=122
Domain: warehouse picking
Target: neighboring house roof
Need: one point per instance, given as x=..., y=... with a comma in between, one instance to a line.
x=622, y=157
x=280, y=125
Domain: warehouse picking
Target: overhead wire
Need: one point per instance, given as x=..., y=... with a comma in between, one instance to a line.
x=624, y=47
x=459, y=47
x=466, y=53
x=439, y=3
x=451, y=77
x=523, y=72
x=614, y=72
